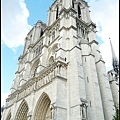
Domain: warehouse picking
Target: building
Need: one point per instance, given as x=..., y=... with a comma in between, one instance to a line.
x=61, y=74
x=113, y=76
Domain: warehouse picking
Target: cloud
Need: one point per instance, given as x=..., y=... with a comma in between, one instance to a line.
x=14, y=23
x=105, y=13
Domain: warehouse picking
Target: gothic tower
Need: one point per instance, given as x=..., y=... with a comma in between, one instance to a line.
x=61, y=74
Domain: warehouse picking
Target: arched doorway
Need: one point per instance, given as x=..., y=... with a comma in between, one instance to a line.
x=42, y=109
x=22, y=111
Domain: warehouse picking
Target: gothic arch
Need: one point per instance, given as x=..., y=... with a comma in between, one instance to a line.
x=52, y=53
x=8, y=116
x=22, y=111
x=42, y=109
x=34, y=68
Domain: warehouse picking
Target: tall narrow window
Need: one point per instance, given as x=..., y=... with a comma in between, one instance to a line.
x=57, y=14
x=72, y=3
x=41, y=33
x=79, y=12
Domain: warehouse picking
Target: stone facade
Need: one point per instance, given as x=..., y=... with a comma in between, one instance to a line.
x=61, y=74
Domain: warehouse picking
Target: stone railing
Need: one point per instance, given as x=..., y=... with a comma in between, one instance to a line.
x=43, y=78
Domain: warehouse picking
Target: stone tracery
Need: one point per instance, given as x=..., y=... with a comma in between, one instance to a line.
x=22, y=111
x=9, y=116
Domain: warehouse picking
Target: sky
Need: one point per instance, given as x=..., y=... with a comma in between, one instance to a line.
x=19, y=16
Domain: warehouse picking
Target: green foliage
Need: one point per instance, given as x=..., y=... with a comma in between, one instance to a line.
x=116, y=116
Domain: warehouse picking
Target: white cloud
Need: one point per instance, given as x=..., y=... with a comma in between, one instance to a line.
x=14, y=23
x=106, y=14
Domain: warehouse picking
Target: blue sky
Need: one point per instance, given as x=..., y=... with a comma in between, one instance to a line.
x=18, y=17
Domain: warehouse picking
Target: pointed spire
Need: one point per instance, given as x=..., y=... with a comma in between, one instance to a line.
x=112, y=50
x=114, y=60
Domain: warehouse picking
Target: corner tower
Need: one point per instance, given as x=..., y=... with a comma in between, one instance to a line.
x=61, y=74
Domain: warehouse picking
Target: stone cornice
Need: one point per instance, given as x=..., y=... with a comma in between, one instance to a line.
x=93, y=41
x=68, y=28
x=69, y=49
x=67, y=10
x=90, y=54
x=99, y=61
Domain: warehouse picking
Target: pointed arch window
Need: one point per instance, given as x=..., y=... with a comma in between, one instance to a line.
x=34, y=68
x=79, y=12
x=57, y=13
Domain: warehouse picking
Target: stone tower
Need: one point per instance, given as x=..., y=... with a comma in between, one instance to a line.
x=61, y=74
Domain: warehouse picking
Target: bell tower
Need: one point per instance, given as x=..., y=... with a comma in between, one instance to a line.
x=61, y=74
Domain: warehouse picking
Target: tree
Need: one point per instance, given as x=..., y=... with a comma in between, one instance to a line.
x=116, y=116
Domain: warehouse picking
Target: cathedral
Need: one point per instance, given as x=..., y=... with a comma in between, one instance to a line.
x=61, y=74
